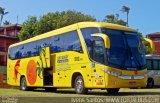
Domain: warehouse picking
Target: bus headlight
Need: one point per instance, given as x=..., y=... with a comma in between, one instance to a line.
x=111, y=73
x=145, y=74
x=124, y=76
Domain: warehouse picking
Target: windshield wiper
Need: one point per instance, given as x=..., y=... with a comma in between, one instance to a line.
x=134, y=57
x=124, y=60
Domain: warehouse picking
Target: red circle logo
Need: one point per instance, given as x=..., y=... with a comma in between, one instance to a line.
x=31, y=72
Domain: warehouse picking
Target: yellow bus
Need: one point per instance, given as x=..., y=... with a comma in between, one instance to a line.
x=84, y=56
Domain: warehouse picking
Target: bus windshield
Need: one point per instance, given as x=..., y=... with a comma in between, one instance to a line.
x=126, y=50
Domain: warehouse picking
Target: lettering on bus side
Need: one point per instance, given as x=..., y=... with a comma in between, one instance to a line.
x=62, y=59
x=78, y=59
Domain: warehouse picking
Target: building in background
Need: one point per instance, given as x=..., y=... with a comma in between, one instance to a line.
x=156, y=39
x=8, y=36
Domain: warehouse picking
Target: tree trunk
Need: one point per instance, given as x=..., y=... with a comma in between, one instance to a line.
x=127, y=19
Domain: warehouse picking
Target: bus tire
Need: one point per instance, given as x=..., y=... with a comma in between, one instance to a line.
x=79, y=85
x=113, y=90
x=150, y=83
x=23, y=84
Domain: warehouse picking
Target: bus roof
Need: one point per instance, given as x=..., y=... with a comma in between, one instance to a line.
x=73, y=27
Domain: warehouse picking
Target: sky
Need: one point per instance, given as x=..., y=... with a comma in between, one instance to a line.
x=144, y=14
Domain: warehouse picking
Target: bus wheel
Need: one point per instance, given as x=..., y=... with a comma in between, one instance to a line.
x=23, y=84
x=150, y=83
x=79, y=85
x=112, y=90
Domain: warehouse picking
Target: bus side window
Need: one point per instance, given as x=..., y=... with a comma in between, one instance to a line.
x=57, y=44
x=98, y=50
x=18, y=53
x=149, y=64
x=72, y=42
x=158, y=64
x=155, y=64
x=86, y=32
x=11, y=53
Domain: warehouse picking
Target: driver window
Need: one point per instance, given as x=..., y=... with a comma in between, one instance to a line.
x=98, y=50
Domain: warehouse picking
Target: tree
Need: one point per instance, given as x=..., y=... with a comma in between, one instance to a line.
x=28, y=28
x=148, y=44
x=6, y=22
x=126, y=10
x=114, y=18
x=111, y=18
x=51, y=21
x=2, y=13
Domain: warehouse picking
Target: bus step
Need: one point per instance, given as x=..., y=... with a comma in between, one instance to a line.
x=48, y=86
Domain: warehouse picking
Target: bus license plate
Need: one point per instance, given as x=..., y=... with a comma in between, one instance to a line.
x=132, y=83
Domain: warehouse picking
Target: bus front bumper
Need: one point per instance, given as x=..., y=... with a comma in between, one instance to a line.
x=126, y=82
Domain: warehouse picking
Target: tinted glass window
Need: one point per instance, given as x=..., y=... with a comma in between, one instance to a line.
x=117, y=51
x=18, y=52
x=86, y=32
x=149, y=64
x=98, y=50
x=155, y=64
x=72, y=42
x=158, y=64
x=22, y=51
x=11, y=54
x=43, y=43
x=64, y=42
x=29, y=49
x=57, y=44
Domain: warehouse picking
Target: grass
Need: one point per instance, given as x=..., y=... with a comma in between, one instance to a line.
x=71, y=93
x=38, y=93
x=17, y=92
x=67, y=95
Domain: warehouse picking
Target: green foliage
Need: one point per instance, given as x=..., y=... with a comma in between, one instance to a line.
x=28, y=28
x=2, y=13
x=50, y=21
x=140, y=34
x=125, y=9
x=6, y=22
x=114, y=18
x=147, y=47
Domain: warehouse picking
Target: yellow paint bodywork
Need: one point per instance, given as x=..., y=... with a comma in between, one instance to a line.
x=22, y=72
x=45, y=57
x=151, y=44
x=105, y=38
x=116, y=82
x=65, y=64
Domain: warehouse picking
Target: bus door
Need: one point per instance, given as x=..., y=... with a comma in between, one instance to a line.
x=59, y=64
x=45, y=65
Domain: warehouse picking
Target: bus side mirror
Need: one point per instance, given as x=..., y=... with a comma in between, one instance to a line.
x=104, y=37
